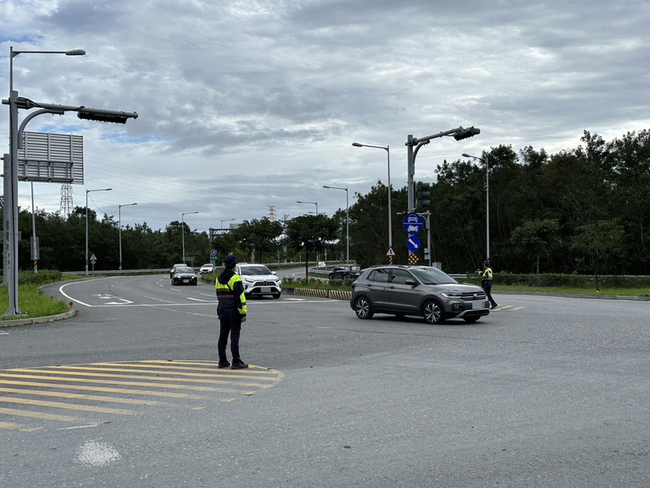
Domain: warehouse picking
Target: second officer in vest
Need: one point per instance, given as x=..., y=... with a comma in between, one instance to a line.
x=231, y=311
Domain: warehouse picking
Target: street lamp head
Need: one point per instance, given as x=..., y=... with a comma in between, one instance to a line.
x=356, y=144
x=75, y=52
x=465, y=155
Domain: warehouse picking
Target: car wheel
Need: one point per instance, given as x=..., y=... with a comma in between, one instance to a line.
x=432, y=312
x=276, y=295
x=362, y=308
x=470, y=320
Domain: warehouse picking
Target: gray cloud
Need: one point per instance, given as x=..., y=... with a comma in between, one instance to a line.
x=260, y=100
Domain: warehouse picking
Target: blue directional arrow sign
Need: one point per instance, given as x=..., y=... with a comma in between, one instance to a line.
x=413, y=223
x=413, y=243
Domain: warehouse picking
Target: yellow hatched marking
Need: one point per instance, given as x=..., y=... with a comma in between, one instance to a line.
x=124, y=370
x=123, y=383
x=104, y=389
x=67, y=406
x=93, y=398
x=38, y=415
x=149, y=378
x=166, y=365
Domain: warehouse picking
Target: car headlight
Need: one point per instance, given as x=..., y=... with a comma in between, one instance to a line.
x=453, y=295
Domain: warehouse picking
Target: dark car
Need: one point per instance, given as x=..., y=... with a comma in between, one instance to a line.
x=173, y=270
x=416, y=290
x=183, y=275
x=345, y=271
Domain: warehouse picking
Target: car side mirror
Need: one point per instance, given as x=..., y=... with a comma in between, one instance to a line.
x=274, y=272
x=411, y=282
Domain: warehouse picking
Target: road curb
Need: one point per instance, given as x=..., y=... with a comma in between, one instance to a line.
x=38, y=320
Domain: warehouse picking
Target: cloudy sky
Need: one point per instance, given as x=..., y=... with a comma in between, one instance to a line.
x=246, y=107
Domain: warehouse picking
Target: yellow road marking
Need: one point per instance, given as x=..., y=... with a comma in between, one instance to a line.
x=123, y=383
x=67, y=406
x=10, y=426
x=94, y=398
x=518, y=308
x=149, y=378
x=225, y=374
x=104, y=389
x=38, y=415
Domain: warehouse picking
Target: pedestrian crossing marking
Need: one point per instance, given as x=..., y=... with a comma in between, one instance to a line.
x=40, y=395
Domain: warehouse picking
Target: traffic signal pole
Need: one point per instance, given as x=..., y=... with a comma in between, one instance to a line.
x=413, y=145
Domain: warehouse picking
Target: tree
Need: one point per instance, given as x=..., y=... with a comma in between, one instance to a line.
x=536, y=238
x=369, y=225
x=259, y=235
x=596, y=241
x=311, y=233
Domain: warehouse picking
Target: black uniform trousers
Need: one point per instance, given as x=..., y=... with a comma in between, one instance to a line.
x=232, y=327
x=487, y=287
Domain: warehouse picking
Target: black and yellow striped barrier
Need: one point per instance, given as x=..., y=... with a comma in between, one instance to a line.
x=316, y=292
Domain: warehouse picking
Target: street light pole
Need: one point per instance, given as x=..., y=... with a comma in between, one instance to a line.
x=183, y=230
x=225, y=220
x=347, y=220
x=311, y=203
x=390, y=211
x=119, y=220
x=10, y=255
x=87, y=192
x=487, y=202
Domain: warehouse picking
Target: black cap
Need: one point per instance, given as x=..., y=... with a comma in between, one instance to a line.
x=230, y=261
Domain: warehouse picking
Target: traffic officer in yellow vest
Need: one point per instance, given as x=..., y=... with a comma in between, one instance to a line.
x=231, y=311
x=486, y=282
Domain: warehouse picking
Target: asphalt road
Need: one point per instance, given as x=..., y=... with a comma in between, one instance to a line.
x=549, y=392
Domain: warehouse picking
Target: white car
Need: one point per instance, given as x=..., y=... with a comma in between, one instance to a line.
x=259, y=280
x=207, y=268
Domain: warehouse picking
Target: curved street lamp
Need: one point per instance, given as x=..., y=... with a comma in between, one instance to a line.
x=183, y=230
x=119, y=212
x=10, y=273
x=487, y=202
x=390, y=212
x=347, y=220
x=87, y=192
x=311, y=203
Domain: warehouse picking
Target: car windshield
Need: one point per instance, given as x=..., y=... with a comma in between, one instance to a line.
x=432, y=276
x=184, y=269
x=255, y=270
x=207, y=265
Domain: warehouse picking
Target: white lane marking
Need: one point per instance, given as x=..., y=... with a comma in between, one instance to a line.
x=70, y=298
x=200, y=300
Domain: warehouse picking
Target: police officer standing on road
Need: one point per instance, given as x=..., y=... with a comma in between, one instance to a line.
x=231, y=311
x=486, y=282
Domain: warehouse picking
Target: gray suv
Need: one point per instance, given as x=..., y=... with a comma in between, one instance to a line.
x=416, y=290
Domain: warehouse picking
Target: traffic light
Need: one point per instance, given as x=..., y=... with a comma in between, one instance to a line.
x=422, y=195
x=105, y=115
x=465, y=133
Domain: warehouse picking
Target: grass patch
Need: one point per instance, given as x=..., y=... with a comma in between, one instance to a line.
x=604, y=291
x=32, y=303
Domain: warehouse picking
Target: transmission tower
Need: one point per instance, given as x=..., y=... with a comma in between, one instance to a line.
x=66, y=200
x=271, y=212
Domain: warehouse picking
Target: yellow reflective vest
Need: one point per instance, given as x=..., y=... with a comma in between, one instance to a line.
x=230, y=294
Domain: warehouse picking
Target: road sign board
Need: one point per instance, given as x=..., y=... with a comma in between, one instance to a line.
x=391, y=252
x=413, y=223
x=413, y=243
x=213, y=252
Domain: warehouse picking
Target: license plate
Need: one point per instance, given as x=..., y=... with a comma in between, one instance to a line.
x=266, y=289
x=186, y=281
x=478, y=305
